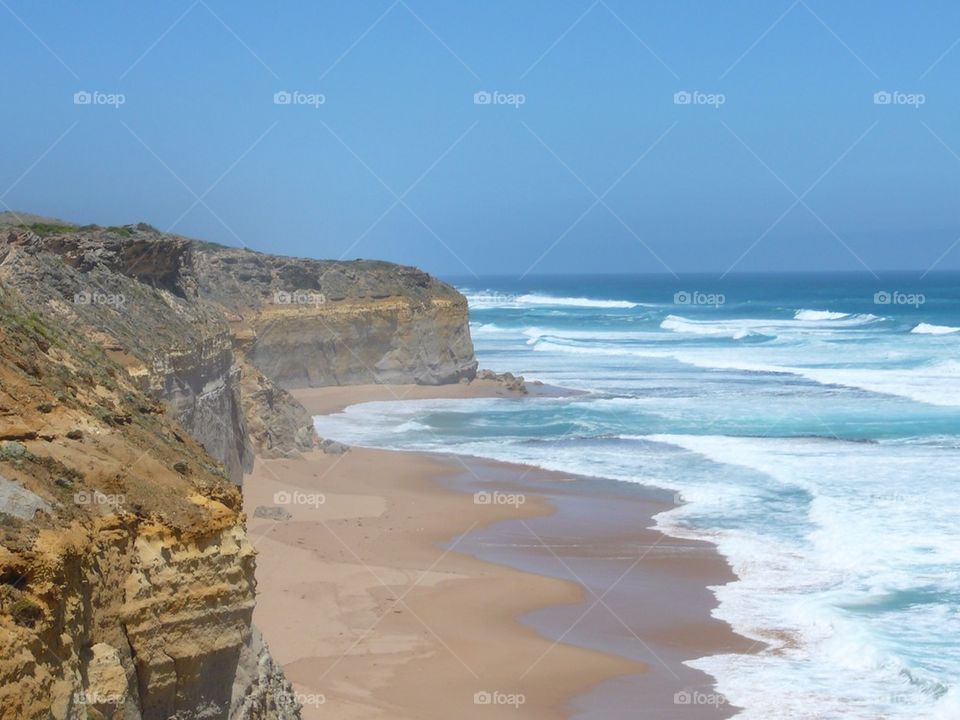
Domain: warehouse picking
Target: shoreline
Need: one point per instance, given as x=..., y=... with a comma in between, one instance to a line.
x=399, y=596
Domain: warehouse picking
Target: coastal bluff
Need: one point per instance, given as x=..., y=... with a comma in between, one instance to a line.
x=220, y=334
x=140, y=374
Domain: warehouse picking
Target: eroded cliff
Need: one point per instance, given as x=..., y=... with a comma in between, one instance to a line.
x=126, y=579
x=187, y=317
x=178, y=349
x=139, y=373
x=310, y=323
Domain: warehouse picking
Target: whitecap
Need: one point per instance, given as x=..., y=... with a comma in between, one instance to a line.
x=819, y=315
x=928, y=329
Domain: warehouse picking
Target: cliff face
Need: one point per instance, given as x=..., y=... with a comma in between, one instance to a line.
x=139, y=372
x=177, y=349
x=126, y=578
x=186, y=317
x=309, y=323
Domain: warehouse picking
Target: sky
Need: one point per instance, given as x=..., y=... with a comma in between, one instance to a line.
x=498, y=137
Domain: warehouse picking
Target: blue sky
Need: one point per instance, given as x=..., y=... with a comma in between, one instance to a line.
x=782, y=159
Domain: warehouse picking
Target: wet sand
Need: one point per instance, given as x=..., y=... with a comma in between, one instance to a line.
x=402, y=596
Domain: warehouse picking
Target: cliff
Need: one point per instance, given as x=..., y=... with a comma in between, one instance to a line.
x=139, y=374
x=186, y=317
x=126, y=579
x=176, y=349
x=310, y=323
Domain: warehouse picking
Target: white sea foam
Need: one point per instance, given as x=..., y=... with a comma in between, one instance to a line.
x=489, y=329
x=735, y=329
x=536, y=334
x=933, y=384
x=534, y=299
x=819, y=315
x=869, y=538
x=488, y=299
x=928, y=329
x=805, y=322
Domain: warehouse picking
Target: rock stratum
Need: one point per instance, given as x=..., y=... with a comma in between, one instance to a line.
x=140, y=373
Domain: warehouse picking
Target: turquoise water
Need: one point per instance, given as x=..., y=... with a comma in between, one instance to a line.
x=810, y=427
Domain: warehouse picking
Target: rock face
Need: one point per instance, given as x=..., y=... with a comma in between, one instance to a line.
x=139, y=374
x=310, y=323
x=217, y=333
x=177, y=349
x=126, y=578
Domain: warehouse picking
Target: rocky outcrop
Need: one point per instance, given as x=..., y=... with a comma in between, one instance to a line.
x=126, y=578
x=278, y=425
x=510, y=382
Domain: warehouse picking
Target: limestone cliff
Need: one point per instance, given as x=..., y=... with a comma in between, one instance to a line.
x=178, y=349
x=186, y=318
x=139, y=372
x=309, y=323
x=126, y=578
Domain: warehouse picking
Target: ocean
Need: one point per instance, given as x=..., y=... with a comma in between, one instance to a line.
x=809, y=426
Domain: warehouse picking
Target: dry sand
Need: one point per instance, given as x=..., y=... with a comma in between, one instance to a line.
x=370, y=602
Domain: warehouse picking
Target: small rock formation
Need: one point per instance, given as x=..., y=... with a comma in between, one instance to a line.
x=511, y=382
x=332, y=447
x=271, y=512
x=278, y=425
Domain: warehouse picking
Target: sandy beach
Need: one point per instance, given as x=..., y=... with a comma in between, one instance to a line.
x=390, y=592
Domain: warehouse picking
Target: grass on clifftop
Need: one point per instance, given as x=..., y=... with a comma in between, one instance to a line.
x=47, y=229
